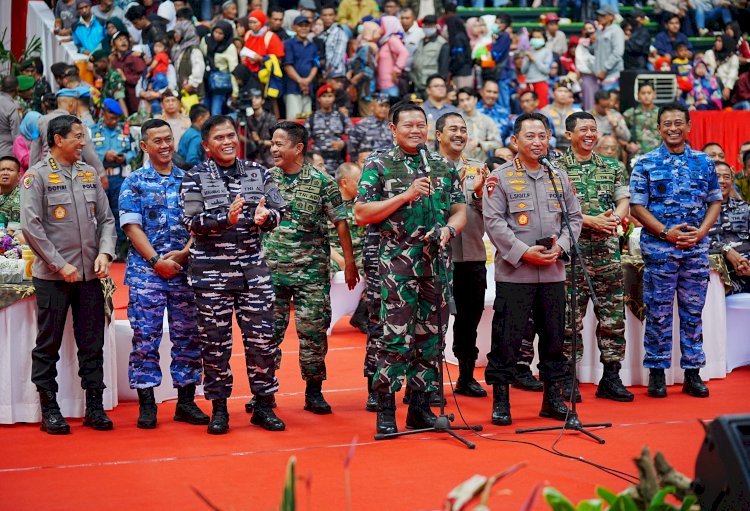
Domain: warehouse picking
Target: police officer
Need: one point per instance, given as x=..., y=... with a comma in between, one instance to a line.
x=298, y=254
x=67, y=104
x=372, y=132
x=114, y=147
x=65, y=219
x=227, y=203
x=730, y=235
x=326, y=127
x=150, y=214
x=523, y=219
x=676, y=196
x=468, y=251
x=602, y=190
x=418, y=216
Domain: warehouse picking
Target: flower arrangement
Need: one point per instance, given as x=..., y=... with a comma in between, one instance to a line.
x=9, y=247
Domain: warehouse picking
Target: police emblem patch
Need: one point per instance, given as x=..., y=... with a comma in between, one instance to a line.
x=523, y=219
x=28, y=181
x=491, y=184
x=60, y=212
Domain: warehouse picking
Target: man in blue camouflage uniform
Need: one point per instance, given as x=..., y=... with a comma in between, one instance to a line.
x=114, y=146
x=327, y=127
x=675, y=195
x=372, y=132
x=150, y=215
x=224, y=206
x=489, y=106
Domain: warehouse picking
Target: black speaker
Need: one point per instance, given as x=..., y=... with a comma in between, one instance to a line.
x=722, y=469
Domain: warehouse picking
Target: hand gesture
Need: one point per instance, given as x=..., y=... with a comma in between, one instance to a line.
x=683, y=235
x=479, y=180
x=101, y=266
x=70, y=273
x=261, y=212
x=235, y=209
x=167, y=268
x=540, y=256
x=605, y=223
x=351, y=276
x=420, y=186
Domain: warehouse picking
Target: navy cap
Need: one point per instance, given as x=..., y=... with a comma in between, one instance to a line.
x=112, y=106
x=68, y=93
x=301, y=19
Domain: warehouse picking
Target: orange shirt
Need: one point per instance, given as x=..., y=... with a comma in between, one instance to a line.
x=259, y=46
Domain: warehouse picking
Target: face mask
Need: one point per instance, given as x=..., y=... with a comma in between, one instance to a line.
x=495, y=29
x=429, y=32
x=536, y=43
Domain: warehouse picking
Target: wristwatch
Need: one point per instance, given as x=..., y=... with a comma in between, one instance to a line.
x=475, y=197
x=726, y=249
x=154, y=260
x=452, y=230
x=663, y=233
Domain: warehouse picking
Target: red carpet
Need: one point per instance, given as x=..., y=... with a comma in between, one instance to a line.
x=244, y=470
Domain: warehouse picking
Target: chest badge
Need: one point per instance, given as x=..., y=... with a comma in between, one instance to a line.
x=523, y=219
x=60, y=212
x=28, y=181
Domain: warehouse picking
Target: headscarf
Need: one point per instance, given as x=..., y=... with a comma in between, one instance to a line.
x=391, y=26
x=370, y=31
x=28, y=127
x=107, y=41
x=212, y=45
x=471, y=24
x=188, y=38
x=727, y=48
x=705, y=88
x=261, y=17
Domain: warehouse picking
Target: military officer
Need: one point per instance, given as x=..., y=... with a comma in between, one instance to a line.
x=298, y=255
x=641, y=121
x=523, y=219
x=676, y=196
x=730, y=235
x=602, y=190
x=326, y=127
x=372, y=132
x=227, y=203
x=10, y=193
x=114, y=147
x=150, y=215
x=468, y=252
x=67, y=104
x=65, y=219
x=418, y=216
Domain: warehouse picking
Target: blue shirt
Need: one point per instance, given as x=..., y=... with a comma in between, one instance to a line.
x=675, y=188
x=115, y=139
x=665, y=46
x=500, y=115
x=303, y=57
x=88, y=37
x=191, y=147
x=152, y=201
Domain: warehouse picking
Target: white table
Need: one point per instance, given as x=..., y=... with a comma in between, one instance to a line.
x=19, y=400
x=632, y=373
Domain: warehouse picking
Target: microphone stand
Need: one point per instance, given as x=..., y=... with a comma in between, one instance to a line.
x=572, y=421
x=440, y=277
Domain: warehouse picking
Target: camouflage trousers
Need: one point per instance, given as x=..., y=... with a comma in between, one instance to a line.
x=662, y=277
x=312, y=316
x=255, y=319
x=410, y=342
x=602, y=261
x=146, y=314
x=374, y=325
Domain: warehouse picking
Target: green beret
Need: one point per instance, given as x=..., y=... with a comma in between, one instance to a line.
x=25, y=83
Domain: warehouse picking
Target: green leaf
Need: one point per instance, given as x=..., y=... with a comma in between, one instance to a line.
x=590, y=505
x=557, y=500
x=688, y=502
x=661, y=495
x=608, y=496
x=624, y=503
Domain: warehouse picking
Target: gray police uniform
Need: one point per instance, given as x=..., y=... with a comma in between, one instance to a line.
x=65, y=218
x=469, y=266
x=10, y=122
x=520, y=207
x=40, y=147
x=227, y=271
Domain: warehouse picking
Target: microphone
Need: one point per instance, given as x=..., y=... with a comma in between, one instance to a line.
x=423, y=152
x=544, y=161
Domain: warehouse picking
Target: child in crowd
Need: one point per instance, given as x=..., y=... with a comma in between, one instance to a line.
x=156, y=73
x=363, y=66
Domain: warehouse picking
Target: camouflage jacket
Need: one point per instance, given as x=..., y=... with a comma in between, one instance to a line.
x=299, y=249
x=369, y=134
x=731, y=228
x=643, y=129
x=390, y=173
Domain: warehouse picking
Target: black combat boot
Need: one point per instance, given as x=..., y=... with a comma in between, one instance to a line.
x=524, y=380
x=434, y=399
x=611, y=387
x=314, y=400
x=146, y=408
x=407, y=395
x=52, y=420
x=501, y=405
x=372, y=399
x=95, y=416
x=466, y=385
x=187, y=410
x=420, y=415
x=552, y=402
x=250, y=405
x=657, y=383
x=693, y=384
x=570, y=387
x=385, y=421
x=219, y=424
x=360, y=317
x=264, y=416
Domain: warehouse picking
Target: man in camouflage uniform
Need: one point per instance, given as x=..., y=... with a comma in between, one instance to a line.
x=730, y=235
x=676, y=196
x=298, y=254
x=326, y=127
x=641, y=121
x=113, y=84
x=468, y=251
x=114, y=147
x=372, y=132
x=150, y=215
x=603, y=193
x=418, y=215
x=10, y=193
x=34, y=68
x=224, y=208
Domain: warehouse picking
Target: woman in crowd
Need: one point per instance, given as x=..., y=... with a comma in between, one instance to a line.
x=188, y=59
x=221, y=56
x=131, y=66
x=724, y=63
x=392, y=56
x=585, y=66
x=706, y=93
x=461, y=65
x=537, y=63
x=28, y=132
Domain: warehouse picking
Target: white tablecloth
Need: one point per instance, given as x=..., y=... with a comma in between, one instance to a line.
x=343, y=300
x=19, y=400
x=632, y=373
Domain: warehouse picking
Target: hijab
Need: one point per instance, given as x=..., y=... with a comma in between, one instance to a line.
x=188, y=38
x=212, y=45
x=727, y=48
x=391, y=26
x=28, y=127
